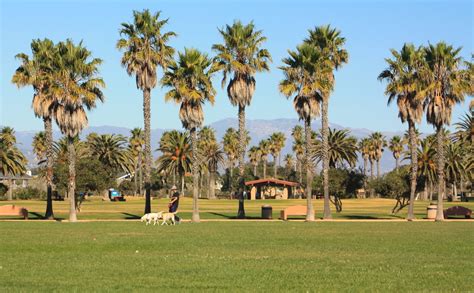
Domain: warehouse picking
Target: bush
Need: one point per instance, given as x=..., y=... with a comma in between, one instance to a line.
x=3, y=189
x=343, y=183
x=29, y=193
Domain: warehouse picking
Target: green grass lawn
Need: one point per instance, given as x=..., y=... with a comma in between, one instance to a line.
x=237, y=256
x=95, y=208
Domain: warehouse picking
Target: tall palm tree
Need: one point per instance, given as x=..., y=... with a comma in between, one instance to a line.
x=264, y=148
x=378, y=142
x=145, y=49
x=342, y=149
x=396, y=147
x=254, y=157
x=443, y=87
x=403, y=83
x=191, y=86
x=330, y=43
x=241, y=55
x=136, y=144
x=231, y=145
x=277, y=140
x=364, y=149
x=305, y=81
x=37, y=72
x=176, y=155
x=78, y=88
x=12, y=160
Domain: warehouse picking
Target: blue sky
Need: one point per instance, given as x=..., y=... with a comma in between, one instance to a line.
x=370, y=27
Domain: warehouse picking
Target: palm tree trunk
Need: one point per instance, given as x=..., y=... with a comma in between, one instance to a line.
x=325, y=148
x=414, y=169
x=365, y=167
x=275, y=167
x=309, y=200
x=255, y=170
x=10, y=188
x=208, y=183
x=372, y=169
x=147, y=117
x=378, y=168
x=140, y=174
x=431, y=191
x=72, y=179
x=397, y=162
x=264, y=168
x=48, y=129
x=300, y=171
x=212, y=189
x=440, y=153
x=242, y=138
x=195, y=170
x=182, y=184
x=135, y=177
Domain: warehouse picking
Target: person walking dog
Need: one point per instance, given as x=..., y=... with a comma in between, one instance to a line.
x=174, y=203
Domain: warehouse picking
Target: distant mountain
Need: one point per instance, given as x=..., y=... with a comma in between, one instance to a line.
x=259, y=129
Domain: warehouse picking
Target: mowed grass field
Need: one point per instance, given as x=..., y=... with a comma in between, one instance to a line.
x=133, y=208
x=236, y=256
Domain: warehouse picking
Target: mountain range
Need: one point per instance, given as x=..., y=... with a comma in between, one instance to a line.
x=258, y=129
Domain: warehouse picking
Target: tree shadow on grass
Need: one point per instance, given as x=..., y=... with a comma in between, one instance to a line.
x=235, y=217
x=361, y=217
x=129, y=216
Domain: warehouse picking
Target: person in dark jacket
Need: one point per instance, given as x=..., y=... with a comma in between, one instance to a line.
x=174, y=203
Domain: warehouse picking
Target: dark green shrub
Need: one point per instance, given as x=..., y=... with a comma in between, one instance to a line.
x=29, y=193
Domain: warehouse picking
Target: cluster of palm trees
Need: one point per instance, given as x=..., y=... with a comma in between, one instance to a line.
x=428, y=79
x=272, y=145
x=65, y=80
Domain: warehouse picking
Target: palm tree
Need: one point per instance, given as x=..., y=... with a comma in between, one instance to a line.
x=342, y=149
x=206, y=147
x=213, y=157
x=364, y=149
x=465, y=128
x=264, y=148
x=289, y=162
x=12, y=161
x=277, y=143
x=60, y=148
x=403, y=78
x=176, y=155
x=136, y=143
x=254, y=157
x=306, y=82
x=455, y=164
x=378, y=141
x=241, y=55
x=37, y=72
x=298, y=148
x=231, y=144
x=145, y=48
x=111, y=151
x=330, y=43
x=443, y=87
x=396, y=147
x=39, y=147
x=78, y=88
x=426, y=155
x=190, y=82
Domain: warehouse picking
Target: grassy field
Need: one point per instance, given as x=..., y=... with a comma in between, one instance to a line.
x=236, y=256
x=223, y=209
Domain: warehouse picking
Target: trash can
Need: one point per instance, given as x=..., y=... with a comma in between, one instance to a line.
x=267, y=212
x=431, y=211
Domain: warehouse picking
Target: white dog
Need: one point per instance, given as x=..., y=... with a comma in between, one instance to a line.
x=168, y=217
x=152, y=217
